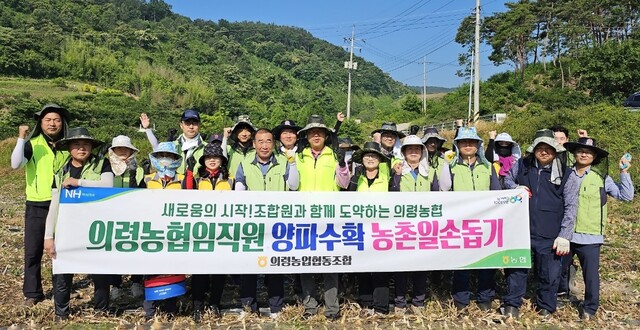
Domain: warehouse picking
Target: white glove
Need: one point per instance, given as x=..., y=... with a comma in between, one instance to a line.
x=562, y=246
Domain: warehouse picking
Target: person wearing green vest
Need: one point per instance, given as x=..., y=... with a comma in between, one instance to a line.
x=237, y=142
x=569, y=266
x=373, y=288
x=190, y=143
x=41, y=159
x=416, y=175
x=267, y=171
x=127, y=174
x=84, y=169
x=321, y=169
x=470, y=171
x=587, y=188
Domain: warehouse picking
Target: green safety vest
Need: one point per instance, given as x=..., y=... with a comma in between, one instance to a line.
x=380, y=184
x=122, y=180
x=272, y=181
x=420, y=183
x=196, y=155
x=236, y=157
x=592, y=205
x=465, y=179
x=317, y=174
x=90, y=171
x=41, y=169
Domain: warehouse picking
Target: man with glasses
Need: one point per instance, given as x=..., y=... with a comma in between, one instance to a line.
x=190, y=143
x=543, y=175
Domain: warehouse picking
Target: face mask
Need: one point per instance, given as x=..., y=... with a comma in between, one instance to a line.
x=165, y=161
x=503, y=151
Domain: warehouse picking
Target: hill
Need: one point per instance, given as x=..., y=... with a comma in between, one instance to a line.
x=432, y=89
x=167, y=62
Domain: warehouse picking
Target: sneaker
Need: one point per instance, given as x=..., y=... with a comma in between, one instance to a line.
x=544, y=314
x=333, y=317
x=137, y=290
x=366, y=312
x=587, y=316
x=196, y=316
x=215, y=311
x=274, y=316
x=510, y=312
x=115, y=293
x=484, y=306
x=402, y=311
x=459, y=306
x=30, y=302
x=61, y=318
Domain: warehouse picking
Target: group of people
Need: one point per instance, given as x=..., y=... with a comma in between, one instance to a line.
x=567, y=207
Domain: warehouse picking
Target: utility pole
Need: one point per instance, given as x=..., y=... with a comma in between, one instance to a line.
x=350, y=65
x=424, y=85
x=476, y=68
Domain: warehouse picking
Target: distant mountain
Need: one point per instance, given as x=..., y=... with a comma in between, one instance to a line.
x=431, y=89
x=144, y=49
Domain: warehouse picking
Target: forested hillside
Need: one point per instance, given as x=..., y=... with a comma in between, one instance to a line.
x=167, y=62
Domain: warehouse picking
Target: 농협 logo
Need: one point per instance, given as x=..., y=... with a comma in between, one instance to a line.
x=262, y=261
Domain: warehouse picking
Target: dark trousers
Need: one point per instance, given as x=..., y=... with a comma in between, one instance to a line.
x=567, y=261
x=547, y=267
x=168, y=306
x=101, y=286
x=34, y=223
x=486, y=286
x=331, y=299
x=201, y=284
x=62, y=293
x=373, y=289
x=275, y=291
x=419, y=280
x=589, y=256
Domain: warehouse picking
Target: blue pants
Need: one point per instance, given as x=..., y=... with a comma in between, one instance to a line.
x=486, y=286
x=547, y=266
x=589, y=256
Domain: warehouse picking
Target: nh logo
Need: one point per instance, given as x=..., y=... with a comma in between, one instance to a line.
x=72, y=193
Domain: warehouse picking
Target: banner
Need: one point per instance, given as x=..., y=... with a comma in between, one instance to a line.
x=148, y=231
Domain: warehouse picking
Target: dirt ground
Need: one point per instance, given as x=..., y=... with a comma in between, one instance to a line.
x=620, y=291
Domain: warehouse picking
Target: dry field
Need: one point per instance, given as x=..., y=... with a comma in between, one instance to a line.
x=620, y=293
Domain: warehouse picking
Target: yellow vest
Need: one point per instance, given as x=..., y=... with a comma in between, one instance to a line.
x=208, y=184
x=41, y=168
x=317, y=174
x=154, y=182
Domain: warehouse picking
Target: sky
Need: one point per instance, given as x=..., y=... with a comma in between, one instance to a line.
x=395, y=35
